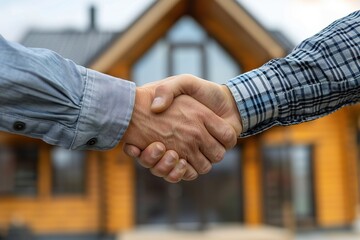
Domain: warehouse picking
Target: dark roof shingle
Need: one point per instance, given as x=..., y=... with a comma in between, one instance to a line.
x=80, y=46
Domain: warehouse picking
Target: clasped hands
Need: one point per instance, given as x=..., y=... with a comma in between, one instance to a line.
x=182, y=125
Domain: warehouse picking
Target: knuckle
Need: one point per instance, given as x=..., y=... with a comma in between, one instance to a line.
x=154, y=172
x=146, y=162
x=205, y=169
x=186, y=76
x=197, y=134
x=160, y=87
x=190, y=176
x=193, y=176
x=202, y=115
x=172, y=179
x=219, y=155
x=163, y=170
x=229, y=137
x=130, y=151
x=161, y=90
x=157, y=172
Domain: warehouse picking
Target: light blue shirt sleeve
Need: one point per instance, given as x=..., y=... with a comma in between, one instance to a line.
x=45, y=96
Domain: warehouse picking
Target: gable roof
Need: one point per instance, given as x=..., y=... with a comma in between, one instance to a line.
x=237, y=31
x=249, y=43
x=80, y=46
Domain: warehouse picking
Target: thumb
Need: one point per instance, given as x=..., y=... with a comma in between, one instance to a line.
x=168, y=89
x=203, y=91
x=131, y=150
x=163, y=98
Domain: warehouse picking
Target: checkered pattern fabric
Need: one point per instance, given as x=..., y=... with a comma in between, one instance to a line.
x=318, y=77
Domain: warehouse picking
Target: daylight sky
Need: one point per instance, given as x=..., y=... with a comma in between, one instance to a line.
x=297, y=19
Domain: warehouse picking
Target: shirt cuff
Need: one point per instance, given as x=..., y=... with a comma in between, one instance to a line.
x=106, y=110
x=256, y=101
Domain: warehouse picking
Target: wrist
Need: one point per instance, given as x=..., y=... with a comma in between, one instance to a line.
x=139, y=118
x=234, y=117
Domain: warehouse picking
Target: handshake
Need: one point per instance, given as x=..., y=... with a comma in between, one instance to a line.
x=181, y=125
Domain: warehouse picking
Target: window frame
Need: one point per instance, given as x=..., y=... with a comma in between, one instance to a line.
x=189, y=45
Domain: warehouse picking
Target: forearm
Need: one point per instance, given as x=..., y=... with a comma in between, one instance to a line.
x=321, y=75
x=60, y=102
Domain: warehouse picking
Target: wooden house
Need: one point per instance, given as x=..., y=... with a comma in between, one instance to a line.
x=303, y=176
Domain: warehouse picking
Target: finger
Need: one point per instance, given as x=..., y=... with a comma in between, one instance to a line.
x=166, y=164
x=210, y=138
x=200, y=163
x=131, y=150
x=200, y=89
x=213, y=150
x=170, y=88
x=151, y=155
x=177, y=173
x=220, y=130
x=156, y=83
x=190, y=173
x=205, y=143
x=163, y=98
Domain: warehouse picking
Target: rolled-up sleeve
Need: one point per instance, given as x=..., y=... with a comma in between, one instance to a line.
x=319, y=76
x=43, y=95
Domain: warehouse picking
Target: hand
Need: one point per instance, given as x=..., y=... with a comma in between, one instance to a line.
x=187, y=127
x=218, y=98
x=166, y=164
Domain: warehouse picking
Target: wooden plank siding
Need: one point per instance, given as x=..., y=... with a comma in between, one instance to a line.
x=120, y=191
x=46, y=213
x=335, y=177
x=110, y=210
x=252, y=182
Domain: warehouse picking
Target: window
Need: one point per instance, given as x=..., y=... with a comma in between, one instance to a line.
x=186, y=49
x=186, y=59
x=18, y=170
x=68, y=171
x=223, y=189
x=302, y=184
x=288, y=181
x=212, y=198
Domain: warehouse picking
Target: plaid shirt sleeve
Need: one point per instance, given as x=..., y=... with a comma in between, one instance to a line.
x=321, y=75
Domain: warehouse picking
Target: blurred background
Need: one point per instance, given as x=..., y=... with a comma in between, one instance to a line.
x=298, y=182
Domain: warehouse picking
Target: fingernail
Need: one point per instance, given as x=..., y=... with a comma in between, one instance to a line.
x=182, y=164
x=158, y=101
x=158, y=151
x=131, y=153
x=171, y=159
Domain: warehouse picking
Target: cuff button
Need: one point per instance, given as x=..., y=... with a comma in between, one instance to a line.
x=91, y=142
x=19, y=126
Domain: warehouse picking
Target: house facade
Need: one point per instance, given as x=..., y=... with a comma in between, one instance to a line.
x=298, y=177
